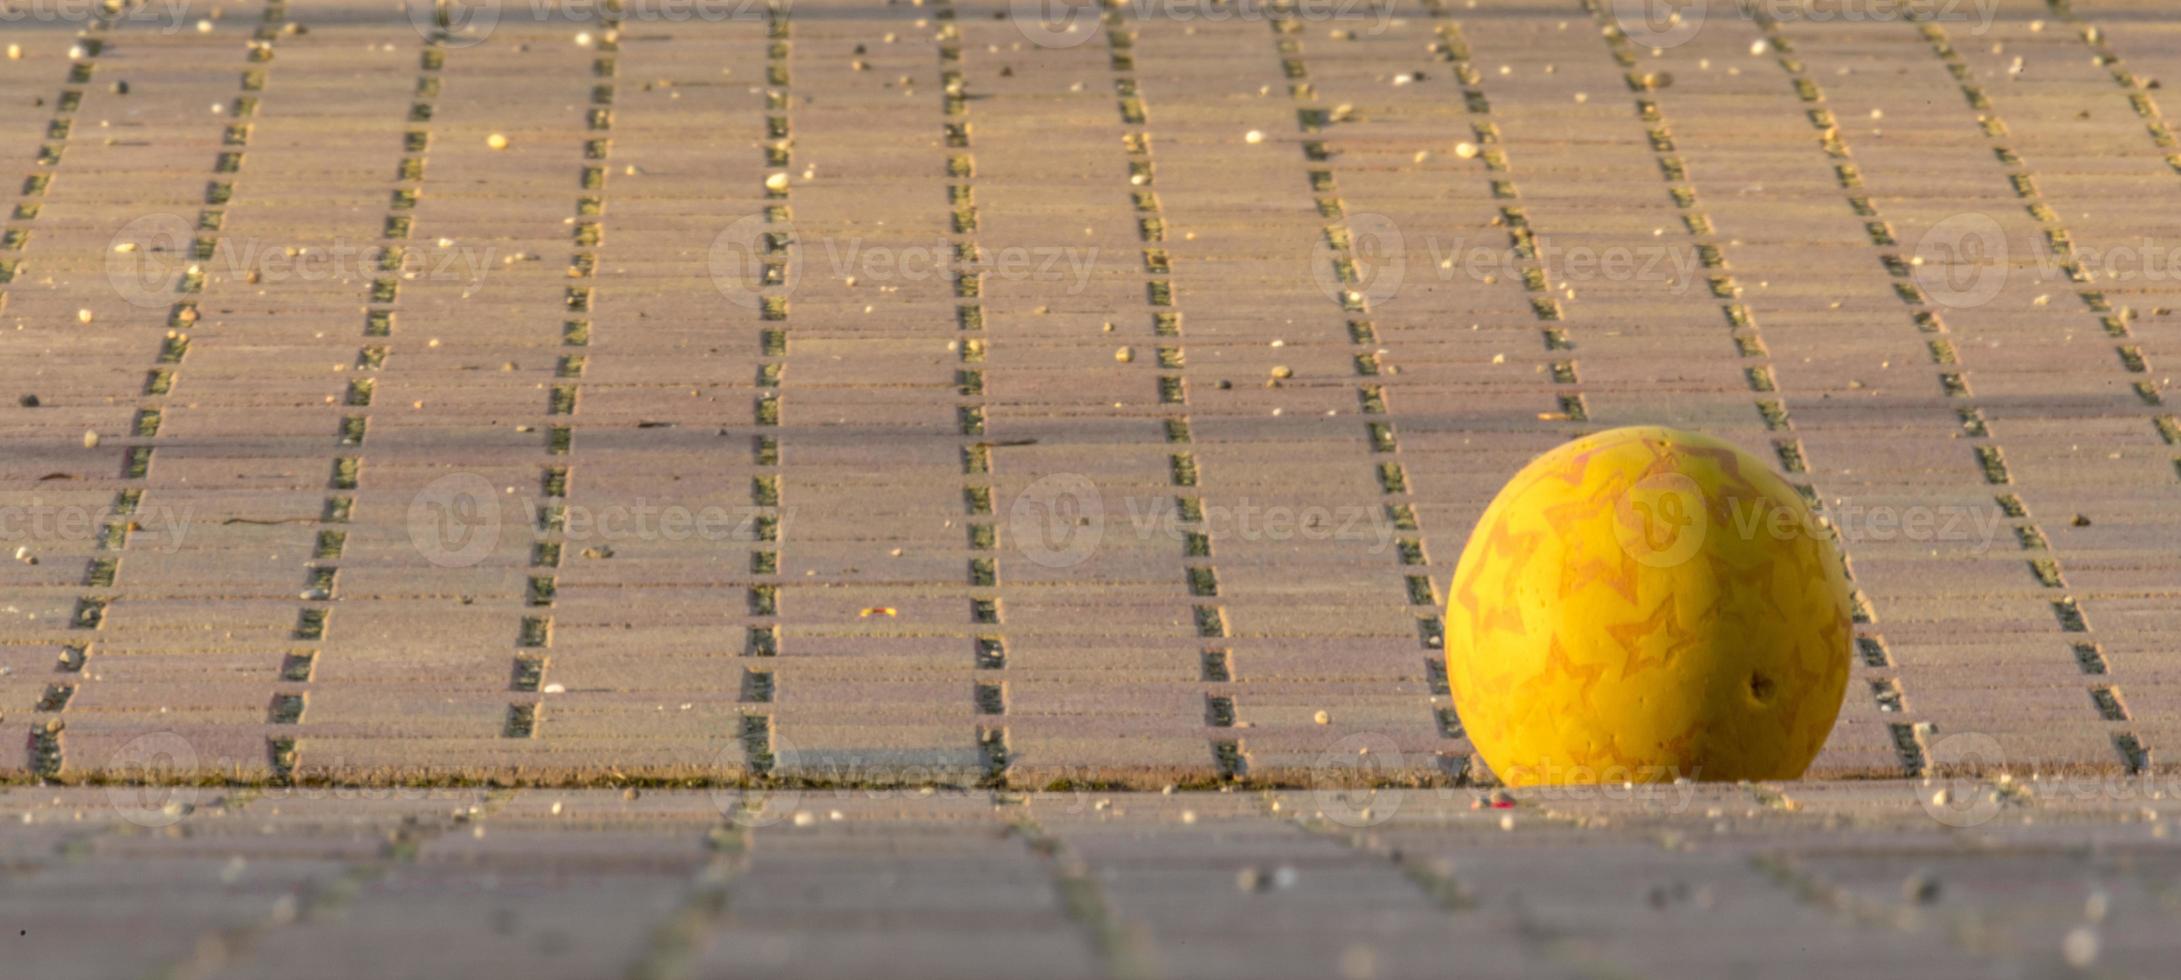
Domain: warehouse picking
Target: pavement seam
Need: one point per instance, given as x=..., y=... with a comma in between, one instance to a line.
x=534, y=639
x=1397, y=498
x=1944, y=354
x=1880, y=673
x=2089, y=654
x=1216, y=665
x=989, y=648
x=44, y=750
x=102, y=574
x=763, y=638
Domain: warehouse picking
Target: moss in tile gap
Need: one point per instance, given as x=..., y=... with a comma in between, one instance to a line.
x=330, y=544
x=522, y=721
x=1790, y=454
x=99, y=574
x=345, y=472
x=761, y=641
x=1545, y=308
x=969, y=382
x=2134, y=757
x=982, y=537
x=2030, y=538
x=137, y=464
x=114, y=536
x=970, y=420
x=1421, y=592
x=1994, y=463
x=984, y=610
x=764, y=562
x=360, y=391
x=2131, y=358
x=1182, y=468
x=1196, y=544
x=990, y=652
x=2090, y=657
x=2047, y=572
x=554, y=482
x=765, y=527
x=764, y=451
x=2148, y=393
x=147, y=422
x=552, y=517
x=310, y=624
x=296, y=666
x=1203, y=581
x=1213, y=666
x=2070, y=615
x=1177, y=430
x=1575, y=407
x=338, y=509
x=543, y=590
x=765, y=490
x=1401, y=516
x=545, y=554
x=1211, y=621
x=1166, y=323
x=285, y=709
x=89, y=614
x=1151, y=228
x=977, y=500
x=977, y=458
x=983, y=572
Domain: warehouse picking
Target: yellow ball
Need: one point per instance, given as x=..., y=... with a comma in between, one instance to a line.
x=1643, y=605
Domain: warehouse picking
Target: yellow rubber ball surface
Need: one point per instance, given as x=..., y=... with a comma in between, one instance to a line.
x=1646, y=604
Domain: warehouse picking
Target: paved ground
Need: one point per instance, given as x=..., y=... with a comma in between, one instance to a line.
x=940, y=394
x=2027, y=880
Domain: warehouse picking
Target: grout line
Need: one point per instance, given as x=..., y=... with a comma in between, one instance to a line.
x=291, y=693
x=319, y=900
x=2156, y=126
x=549, y=536
x=1879, y=671
x=1953, y=373
x=15, y=238
x=679, y=942
x=1397, y=498
x=47, y=751
x=1122, y=952
x=760, y=685
x=2128, y=357
x=989, y=648
x=1215, y=657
